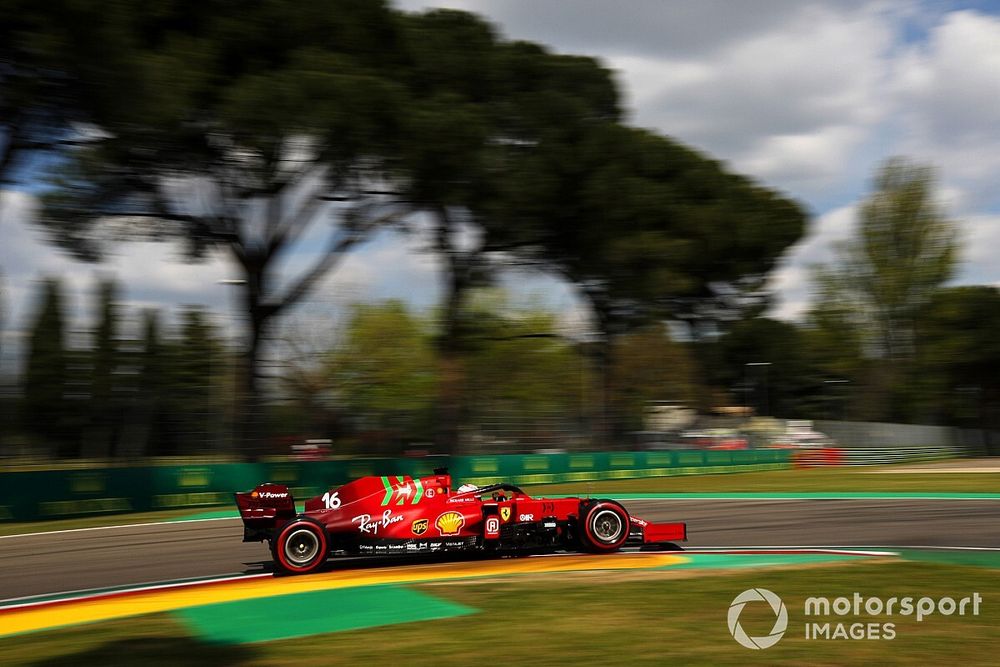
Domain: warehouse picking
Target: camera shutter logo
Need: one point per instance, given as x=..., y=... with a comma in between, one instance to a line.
x=777, y=606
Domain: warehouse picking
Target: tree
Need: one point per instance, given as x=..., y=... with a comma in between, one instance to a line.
x=648, y=229
x=478, y=103
x=105, y=408
x=302, y=352
x=56, y=77
x=649, y=367
x=763, y=364
x=384, y=374
x=527, y=386
x=194, y=361
x=152, y=387
x=44, y=409
x=956, y=374
x=903, y=250
x=252, y=127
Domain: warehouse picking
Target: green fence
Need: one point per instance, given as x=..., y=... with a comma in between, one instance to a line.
x=53, y=494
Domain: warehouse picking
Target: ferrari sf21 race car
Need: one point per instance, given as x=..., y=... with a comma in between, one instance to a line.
x=404, y=515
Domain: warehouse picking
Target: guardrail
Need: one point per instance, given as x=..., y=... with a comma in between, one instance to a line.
x=870, y=456
x=52, y=494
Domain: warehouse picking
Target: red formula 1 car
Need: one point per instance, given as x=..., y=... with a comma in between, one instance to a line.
x=404, y=515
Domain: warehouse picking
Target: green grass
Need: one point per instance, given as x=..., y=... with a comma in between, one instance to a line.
x=585, y=619
x=789, y=481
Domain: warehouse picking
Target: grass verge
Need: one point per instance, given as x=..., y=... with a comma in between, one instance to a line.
x=587, y=620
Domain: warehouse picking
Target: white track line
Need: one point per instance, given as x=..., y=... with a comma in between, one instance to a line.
x=847, y=551
x=124, y=525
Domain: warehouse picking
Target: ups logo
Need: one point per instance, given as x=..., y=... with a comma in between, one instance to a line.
x=419, y=527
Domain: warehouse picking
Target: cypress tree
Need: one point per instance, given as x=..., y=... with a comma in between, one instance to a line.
x=44, y=409
x=104, y=408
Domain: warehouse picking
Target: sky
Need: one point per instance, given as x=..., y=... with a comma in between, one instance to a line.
x=807, y=97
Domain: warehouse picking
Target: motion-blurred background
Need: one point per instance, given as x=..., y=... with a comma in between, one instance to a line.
x=348, y=228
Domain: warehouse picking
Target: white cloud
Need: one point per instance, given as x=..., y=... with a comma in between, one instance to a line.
x=791, y=281
x=790, y=103
x=981, y=236
x=947, y=90
x=652, y=27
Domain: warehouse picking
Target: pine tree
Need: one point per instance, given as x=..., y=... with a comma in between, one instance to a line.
x=104, y=408
x=194, y=359
x=151, y=411
x=44, y=409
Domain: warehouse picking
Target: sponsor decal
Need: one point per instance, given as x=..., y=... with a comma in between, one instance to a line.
x=450, y=523
x=492, y=526
x=366, y=525
x=640, y=522
x=505, y=514
x=266, y=495
x=419, y=527
x=526, y=517
x=402, y=491
x=430, y=493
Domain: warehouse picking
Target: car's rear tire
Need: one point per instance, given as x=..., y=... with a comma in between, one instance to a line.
x=300, y=546
x=604, y=526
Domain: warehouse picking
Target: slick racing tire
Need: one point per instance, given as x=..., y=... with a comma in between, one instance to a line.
x=604, y=526
x=300, y=547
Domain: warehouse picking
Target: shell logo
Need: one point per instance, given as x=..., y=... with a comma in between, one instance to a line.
x=450, y=523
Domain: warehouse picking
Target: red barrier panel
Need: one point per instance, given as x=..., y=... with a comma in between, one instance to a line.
x=813, y=458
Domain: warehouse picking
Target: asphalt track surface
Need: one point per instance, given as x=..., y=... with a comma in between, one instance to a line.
x=128, y=555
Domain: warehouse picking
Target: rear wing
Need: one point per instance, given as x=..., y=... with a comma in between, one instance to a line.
x=263, y=510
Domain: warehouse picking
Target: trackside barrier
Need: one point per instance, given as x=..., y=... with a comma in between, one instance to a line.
x=812, y=458
x=53, y=494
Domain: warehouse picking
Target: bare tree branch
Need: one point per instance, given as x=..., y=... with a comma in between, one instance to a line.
x=336, y=251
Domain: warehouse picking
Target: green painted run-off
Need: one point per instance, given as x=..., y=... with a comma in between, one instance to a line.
x=317, y=612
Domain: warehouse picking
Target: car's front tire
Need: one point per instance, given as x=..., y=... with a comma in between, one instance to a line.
x=300, y=547
x=604, y=526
